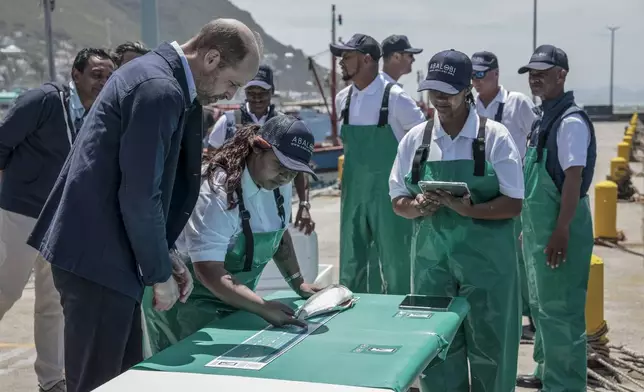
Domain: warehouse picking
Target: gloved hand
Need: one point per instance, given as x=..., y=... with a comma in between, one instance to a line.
x=182, y=276
x=165, y=294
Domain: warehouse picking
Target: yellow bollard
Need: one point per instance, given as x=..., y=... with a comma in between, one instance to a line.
x=606, y=210
x=628, y=139
x=340, y=164
x=623, y=150
x=618, y=167
x=595, y=296
x=630, y=131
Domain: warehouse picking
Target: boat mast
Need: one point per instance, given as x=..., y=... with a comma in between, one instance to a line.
x=334, y=117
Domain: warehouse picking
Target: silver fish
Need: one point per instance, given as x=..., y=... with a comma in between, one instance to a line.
x=332, y=298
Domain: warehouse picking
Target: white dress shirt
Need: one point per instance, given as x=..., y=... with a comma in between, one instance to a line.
x=573, y=139
x=388, y=78
x=517, y=115
x=213, y=229
x=500, y=151
x=218, y=135
x=404, y=114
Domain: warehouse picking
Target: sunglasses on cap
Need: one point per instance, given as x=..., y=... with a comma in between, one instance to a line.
x=479, y=74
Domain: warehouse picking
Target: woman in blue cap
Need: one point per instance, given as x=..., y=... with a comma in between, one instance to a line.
x=239, y=225
x=464, y=246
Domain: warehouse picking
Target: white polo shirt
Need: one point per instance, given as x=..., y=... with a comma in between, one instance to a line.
x=500, y=151
x=388, y=78
x=404, y=114
x=213, y=229
x=573, y=140
x=517, y=115
x=218, y=135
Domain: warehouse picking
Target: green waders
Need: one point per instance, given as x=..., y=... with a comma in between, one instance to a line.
x=374, y=241
x=167, y=328
x=557, y=296
x=454, y=255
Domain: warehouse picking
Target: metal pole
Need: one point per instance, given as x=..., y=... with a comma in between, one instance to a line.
x=612, y=61
x=334, y=121
x=48, y=8
x=149, y=23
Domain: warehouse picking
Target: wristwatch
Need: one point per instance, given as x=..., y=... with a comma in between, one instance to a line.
x=305, y=204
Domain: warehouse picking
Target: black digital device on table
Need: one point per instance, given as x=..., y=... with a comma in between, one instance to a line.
x=426, y=302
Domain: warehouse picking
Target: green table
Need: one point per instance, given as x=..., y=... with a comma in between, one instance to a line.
x=370, y=345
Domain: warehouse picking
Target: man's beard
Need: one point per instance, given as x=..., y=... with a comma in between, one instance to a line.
x=203, y=96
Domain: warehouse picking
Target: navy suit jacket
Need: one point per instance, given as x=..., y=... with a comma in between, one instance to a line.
x=131, y=179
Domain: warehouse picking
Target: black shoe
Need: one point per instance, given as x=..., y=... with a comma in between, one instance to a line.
x=529, y=381
x=527, y=333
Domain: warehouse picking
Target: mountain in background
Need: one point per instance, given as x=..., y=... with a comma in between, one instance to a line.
x=100, y=22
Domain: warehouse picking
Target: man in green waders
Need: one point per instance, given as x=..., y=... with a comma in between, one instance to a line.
x=374, y=242
x=557, y=226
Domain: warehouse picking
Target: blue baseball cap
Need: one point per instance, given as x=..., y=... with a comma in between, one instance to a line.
x=546, y=57
x=398, y=43
x=449, y=72
x=484, y=61
x=263, y=79
x=291, y=141
x=358, y=43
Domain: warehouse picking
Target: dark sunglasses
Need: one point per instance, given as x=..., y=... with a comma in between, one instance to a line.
x=479, y=74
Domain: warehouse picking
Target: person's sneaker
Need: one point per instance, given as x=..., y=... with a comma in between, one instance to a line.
x=60, y=386
x=528, y=381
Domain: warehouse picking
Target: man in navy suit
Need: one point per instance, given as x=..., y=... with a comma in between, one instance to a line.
x=126, y=191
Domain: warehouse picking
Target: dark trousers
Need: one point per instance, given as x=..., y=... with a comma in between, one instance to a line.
x=103, y=336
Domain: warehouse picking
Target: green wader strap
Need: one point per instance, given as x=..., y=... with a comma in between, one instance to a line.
x=383, y=117
x=245, y=223
x=422, y=153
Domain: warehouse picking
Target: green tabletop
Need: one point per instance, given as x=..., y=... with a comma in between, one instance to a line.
x=369, y=345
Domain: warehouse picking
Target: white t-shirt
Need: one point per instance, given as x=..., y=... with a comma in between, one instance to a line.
x=218, y=135
x=213, y=229
x=404, y=114
x=500, y=151
x=573, y=139
x=518, y=115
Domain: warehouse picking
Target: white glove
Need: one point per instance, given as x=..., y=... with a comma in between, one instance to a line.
x=182, y=276
x=165, y=294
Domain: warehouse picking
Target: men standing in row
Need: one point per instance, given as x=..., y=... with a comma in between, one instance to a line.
x=35, y=139
x=557, y=225
x=398, y=57
x=376, y=114
x=515, y=111
x=257, y=110
x=127, y=191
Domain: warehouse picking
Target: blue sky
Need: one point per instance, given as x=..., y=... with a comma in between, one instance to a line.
x=501, y=26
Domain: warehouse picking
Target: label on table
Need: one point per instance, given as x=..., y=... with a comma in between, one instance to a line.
x=417, y=314
x=375, y=349
x=262, y=348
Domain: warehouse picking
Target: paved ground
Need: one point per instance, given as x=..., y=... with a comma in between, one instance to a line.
x=623, y=276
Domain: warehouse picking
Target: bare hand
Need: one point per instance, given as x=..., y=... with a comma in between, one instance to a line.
x=182, y=276
x=557, y=246
x=426, y=204
x=307, y=290
x=165, y=294
x=280, y=315
x=303, y=221
x=458, y=204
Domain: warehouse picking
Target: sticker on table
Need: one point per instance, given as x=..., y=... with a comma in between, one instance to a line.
x=419, y=314
x=375, y=349
x=262, y=348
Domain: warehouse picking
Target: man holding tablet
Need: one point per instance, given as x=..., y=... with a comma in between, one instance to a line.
x=464, y=246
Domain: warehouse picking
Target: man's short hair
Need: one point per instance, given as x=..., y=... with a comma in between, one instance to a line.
x=82, y=58
x=228, y=40
x=129, y=46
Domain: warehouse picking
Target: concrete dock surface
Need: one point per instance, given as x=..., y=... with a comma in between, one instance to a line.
x=623, y=278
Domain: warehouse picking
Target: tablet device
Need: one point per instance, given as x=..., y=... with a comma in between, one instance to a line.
x=426, y=302
x=457, y=189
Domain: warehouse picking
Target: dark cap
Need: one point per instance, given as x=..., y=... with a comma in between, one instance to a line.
x=546, y=57
x=397, y=43
x=291, y=141
x=263, y=79
x=449, y=72
x=360, y=43
x=484, y=61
